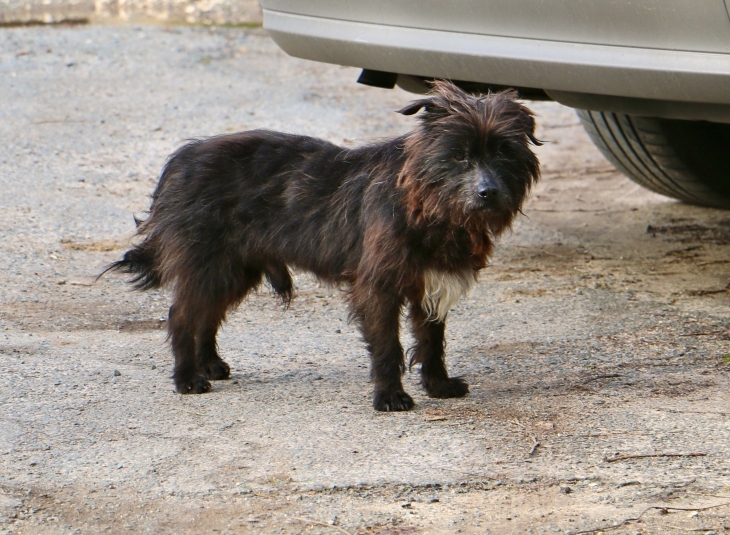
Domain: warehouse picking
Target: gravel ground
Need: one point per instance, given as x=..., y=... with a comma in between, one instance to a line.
x=227, y=12
x=596, y=345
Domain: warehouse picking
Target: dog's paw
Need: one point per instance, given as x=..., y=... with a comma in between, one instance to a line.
x=217, y=370
x=396, y=400
x=454, y=387
x=197, y=384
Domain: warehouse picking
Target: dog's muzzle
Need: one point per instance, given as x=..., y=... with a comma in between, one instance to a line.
x=487, y=191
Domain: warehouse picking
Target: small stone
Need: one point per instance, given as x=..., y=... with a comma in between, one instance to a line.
x=317, y=378
x=338, y=331
x=120, y=466
x=46, y=448
x=117, y=373
x=406, y=505
x=57, y=383
x=433, y=500
x=153, y=367
x=566, y=490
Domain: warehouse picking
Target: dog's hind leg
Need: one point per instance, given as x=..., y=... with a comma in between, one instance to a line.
x=206, y=348
x=195, y=316
x=188, y=377
x=378, y=315
x=429, y=353
x=231, y=292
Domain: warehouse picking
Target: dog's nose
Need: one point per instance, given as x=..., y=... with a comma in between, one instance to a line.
x=487, y=191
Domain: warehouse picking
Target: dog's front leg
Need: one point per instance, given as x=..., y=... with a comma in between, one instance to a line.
x=429, y=353
x=378, y=314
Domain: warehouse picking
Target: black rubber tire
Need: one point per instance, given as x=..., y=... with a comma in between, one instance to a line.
x=686, y=160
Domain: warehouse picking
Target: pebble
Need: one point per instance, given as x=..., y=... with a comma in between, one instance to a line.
x=117, y=373
x=566, y=490
x=153, y=367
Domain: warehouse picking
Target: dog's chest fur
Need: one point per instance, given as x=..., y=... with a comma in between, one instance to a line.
x=442, y=290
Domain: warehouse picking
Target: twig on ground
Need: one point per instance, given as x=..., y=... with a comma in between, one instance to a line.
x=684, y=484
x=193, y=412
x=642, y=456
x=690, y=530
x=714, y=262
x=709, y=292
x=607, y=376
x=692, y=412
x=676, y=488
x=535, y=445
x=704, y=333
x=661, y=508
x=311, y=523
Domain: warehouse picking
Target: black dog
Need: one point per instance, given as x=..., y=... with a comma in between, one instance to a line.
x=412, y=219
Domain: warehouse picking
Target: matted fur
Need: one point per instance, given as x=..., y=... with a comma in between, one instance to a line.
x=406, y=221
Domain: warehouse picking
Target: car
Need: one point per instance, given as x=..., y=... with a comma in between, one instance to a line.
x=650, y=79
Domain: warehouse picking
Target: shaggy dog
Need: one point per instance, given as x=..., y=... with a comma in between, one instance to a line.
x=409, y=220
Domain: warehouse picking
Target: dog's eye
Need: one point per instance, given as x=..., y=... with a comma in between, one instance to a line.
x=460, y=156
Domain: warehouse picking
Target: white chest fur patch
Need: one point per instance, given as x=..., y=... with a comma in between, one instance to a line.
x=443, y=290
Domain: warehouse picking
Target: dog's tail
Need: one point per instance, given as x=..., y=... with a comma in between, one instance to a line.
x=140, y=262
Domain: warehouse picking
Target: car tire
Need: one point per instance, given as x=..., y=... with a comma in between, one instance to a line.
x=686, y=160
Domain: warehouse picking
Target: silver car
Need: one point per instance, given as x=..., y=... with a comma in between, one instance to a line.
x=650, y=78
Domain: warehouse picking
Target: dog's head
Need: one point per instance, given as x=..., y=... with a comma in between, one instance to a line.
x=469, y=159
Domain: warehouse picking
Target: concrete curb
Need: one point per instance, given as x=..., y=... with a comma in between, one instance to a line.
x=14, y=12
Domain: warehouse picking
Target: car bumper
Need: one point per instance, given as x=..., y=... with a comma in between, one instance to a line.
x=560, y=67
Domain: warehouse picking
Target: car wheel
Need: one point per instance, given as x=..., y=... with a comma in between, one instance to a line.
x=686, y=160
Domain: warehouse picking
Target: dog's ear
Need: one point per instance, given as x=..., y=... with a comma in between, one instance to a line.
x=442, y=93
x=415, y=106
x=525, y=117
x=527, y=125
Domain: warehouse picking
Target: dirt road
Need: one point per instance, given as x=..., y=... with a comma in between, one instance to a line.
x=596, y=345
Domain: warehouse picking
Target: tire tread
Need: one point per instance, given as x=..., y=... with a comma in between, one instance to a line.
x=638, y=147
